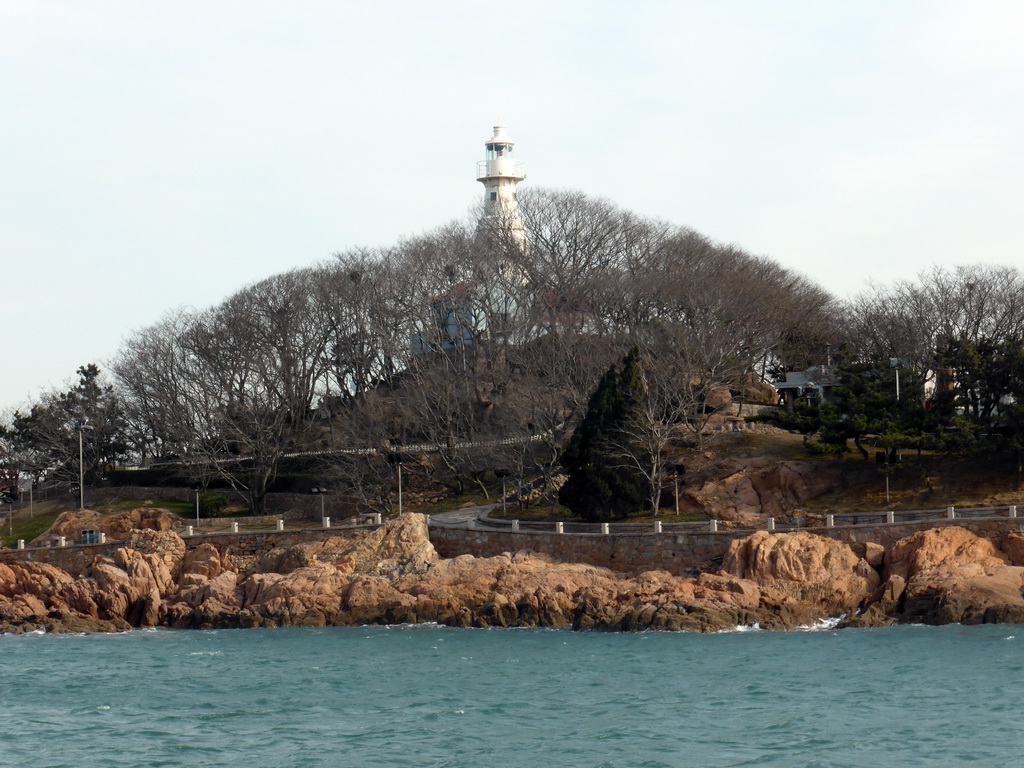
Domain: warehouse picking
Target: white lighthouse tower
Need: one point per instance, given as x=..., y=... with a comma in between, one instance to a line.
x=500, y=172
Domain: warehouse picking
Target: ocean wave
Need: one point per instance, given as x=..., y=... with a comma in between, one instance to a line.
x=755, y=627
x=822, y=625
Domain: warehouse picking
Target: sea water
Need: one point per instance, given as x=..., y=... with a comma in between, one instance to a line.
x=431, y=696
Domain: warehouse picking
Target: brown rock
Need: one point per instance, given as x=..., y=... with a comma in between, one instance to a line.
x=748, y=490
x=221, y=594
x=952, y=575
x=949, y=546
x=753, y=389
x=199, y=565
x=718, y=397
x=805, y=567
x=117, y=527
x=873, y=554
x=307, y=553
x=402, y=546
x=305, y=596
x=1012, y=546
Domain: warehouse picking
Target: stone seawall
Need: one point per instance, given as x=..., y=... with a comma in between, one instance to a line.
x=677, y=553
x=627, y=552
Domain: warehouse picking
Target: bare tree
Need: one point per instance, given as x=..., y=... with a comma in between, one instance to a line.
x=233, y=389
x=912, y=320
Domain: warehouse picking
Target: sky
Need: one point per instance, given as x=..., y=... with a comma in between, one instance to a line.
x=163, y=154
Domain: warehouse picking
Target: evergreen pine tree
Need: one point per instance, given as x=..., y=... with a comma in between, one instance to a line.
x=599, y=458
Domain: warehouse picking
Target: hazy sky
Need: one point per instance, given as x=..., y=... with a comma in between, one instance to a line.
x=158, y=154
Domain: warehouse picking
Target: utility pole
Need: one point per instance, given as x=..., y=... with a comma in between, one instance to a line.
x=80, y=427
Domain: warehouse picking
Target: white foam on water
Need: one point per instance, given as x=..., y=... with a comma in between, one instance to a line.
x=755, y=627
x=823, y=625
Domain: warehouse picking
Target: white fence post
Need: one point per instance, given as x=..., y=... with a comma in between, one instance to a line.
x=951, y=513
x=426, y=519
x=188, y=530
x=103, y=538
x=21, y=543
x=326, y=521
x=657, y=526
x=605, y=529
x=890, y=517
x=515, y=525
x=1012, y=510
x=830, y=521
x=279, y=525
x=62, y=541
x=713, y=526
x=771, y=523
x=559, y=527
x=376, y=518
x=234, y=526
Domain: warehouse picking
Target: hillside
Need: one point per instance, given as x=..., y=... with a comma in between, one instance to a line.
x=917, y=482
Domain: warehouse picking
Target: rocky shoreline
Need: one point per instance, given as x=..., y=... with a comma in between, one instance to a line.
x=778, y=581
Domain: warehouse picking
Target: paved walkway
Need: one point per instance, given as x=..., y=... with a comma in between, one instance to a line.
x=457, y=516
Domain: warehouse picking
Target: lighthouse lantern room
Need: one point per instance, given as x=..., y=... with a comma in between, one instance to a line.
x=499, y=172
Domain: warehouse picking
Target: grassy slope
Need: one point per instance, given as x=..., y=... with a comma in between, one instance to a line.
x=27, y=526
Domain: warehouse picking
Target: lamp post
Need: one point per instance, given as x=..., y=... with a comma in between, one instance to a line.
x=319, y=491
x=894, y=362
x=80, y=427
x=678, y=470
x=503, y=473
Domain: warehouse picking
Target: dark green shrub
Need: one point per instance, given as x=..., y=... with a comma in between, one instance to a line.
x=212, y=504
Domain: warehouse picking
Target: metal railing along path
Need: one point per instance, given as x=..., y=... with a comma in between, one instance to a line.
x=845, y=520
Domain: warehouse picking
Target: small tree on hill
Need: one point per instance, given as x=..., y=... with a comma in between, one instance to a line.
x=604, y=481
